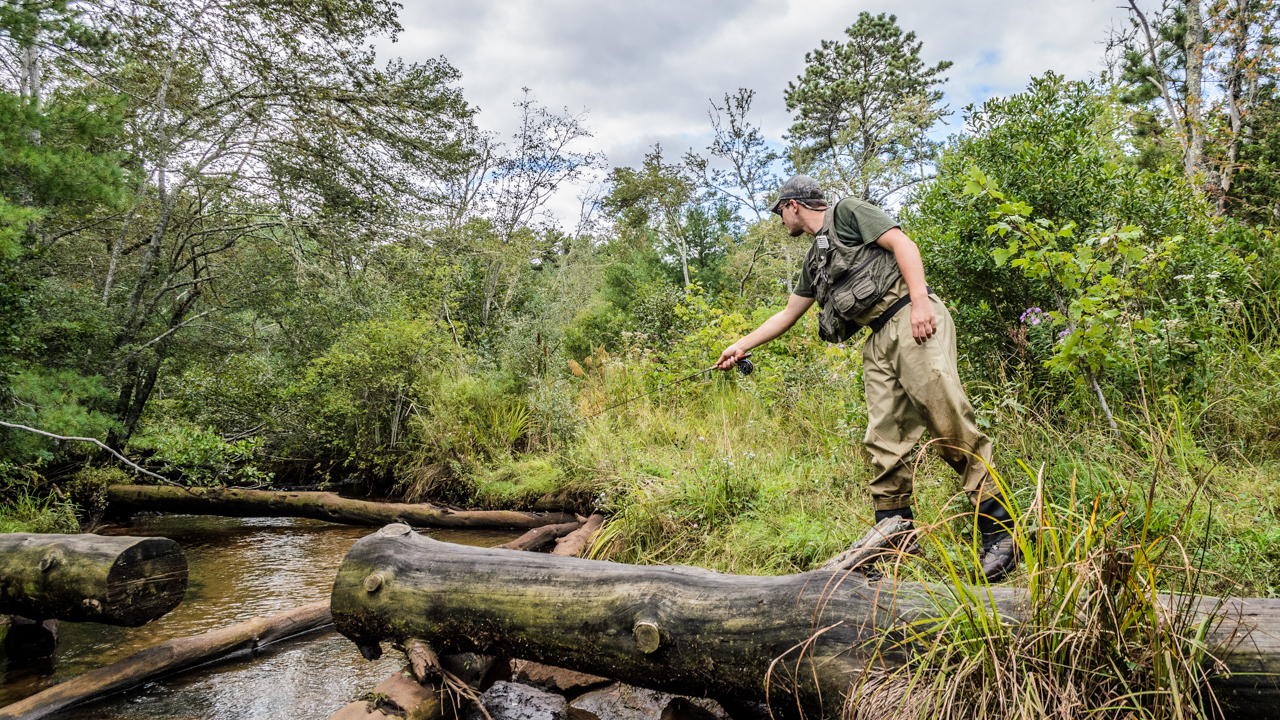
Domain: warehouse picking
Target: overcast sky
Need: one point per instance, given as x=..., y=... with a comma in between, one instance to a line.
x=644, y=71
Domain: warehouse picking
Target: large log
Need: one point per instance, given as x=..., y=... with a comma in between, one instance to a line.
x=126, y=581
x=797, y=641
x=170, y=657
x=237, y=502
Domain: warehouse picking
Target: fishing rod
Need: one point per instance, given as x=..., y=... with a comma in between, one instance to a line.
x=744, y=364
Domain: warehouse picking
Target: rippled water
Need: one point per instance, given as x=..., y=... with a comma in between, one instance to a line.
x=239, y=569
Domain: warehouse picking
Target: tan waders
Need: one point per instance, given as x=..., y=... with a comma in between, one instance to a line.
x=911, y=388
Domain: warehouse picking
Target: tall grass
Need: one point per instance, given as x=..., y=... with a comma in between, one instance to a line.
x=1087, y=635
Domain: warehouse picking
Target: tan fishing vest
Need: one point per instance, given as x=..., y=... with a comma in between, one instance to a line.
x=848, y=279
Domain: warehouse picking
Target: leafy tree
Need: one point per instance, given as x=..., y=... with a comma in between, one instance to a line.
x=247, y=125
x=1054, y=147
x=863, y=110
x=653, y=203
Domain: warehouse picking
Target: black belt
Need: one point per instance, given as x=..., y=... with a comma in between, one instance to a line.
x=897, y=305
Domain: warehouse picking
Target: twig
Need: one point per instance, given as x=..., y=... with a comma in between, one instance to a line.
x=99, y=443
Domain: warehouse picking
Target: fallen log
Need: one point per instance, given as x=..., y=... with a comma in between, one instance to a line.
x=170, y=657
x=797, y=642
x=573, y=544
x=238, y=502
x=538, y=538
x=127, y=581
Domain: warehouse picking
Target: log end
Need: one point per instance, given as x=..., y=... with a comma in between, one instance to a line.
x=146, y=581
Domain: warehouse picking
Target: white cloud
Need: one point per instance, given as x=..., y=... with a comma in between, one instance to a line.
x=645, y=70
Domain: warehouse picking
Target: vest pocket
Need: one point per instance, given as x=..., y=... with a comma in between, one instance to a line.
x=858, y=293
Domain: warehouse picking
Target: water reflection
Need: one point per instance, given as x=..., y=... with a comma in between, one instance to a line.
x=239, y=568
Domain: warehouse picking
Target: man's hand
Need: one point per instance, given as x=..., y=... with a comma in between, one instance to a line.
x=923, y=322
x=730, y=357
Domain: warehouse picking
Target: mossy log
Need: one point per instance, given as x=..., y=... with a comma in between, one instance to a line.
x=127, y=581
x=170, y=657
x=236, y=502
x=798, y=642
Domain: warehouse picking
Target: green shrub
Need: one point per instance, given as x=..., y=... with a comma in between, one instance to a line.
x=201, y=456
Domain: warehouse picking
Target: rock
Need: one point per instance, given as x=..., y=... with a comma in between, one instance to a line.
x=512, y=701
x=360, y=710
x=569, y=683
x=405, y=692
x=624, y=702
x=682, y=708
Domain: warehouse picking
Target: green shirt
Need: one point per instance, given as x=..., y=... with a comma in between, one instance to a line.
x=854, y=221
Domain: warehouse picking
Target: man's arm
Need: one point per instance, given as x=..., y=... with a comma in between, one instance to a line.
x=781, y=322
x=923, y=321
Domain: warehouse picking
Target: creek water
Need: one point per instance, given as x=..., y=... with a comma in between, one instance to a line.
x=239, y=568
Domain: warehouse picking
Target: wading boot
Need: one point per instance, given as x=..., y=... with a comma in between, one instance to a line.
x=999, y=551
x=903, y=543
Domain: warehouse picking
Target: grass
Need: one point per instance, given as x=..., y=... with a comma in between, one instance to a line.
x=1089, y=635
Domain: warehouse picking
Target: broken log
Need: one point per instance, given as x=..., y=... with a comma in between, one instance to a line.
x=538, y=538
x=238, y=502
x=127, y=581
x=169, y=657
x=798, y=642
x=573, y=544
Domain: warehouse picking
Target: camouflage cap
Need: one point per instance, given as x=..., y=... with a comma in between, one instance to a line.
x=799, y=187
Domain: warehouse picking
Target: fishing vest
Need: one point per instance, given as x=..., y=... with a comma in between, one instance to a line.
x=848, y=279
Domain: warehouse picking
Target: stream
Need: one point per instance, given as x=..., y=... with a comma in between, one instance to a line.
x=239, y=568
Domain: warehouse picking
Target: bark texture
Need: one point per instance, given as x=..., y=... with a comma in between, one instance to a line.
x=127, y=581
x=235, y=502
x=170, y=657
x=797, y=641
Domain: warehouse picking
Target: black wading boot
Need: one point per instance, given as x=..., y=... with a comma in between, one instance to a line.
x=903, y=543
x=999, y=551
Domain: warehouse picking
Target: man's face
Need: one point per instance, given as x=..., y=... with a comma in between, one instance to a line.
x=791, y=218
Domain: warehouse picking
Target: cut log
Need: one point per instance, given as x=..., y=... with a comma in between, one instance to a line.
x=538, y=538
x=169, y=657
x=573, y=544
x=797, y=641
x=237, y=502
x=127, y=581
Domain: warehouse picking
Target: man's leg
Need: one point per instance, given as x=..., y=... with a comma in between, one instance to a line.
x=893, y=428
x=929, y=376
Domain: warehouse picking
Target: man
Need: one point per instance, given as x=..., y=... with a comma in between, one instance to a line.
x=863, y=271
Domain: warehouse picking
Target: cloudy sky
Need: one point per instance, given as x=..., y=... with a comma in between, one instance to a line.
x=645, y=70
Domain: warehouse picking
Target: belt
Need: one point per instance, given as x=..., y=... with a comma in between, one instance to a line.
x=897, y=305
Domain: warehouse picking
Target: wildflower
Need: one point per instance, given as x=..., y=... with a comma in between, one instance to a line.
x=1031, y=316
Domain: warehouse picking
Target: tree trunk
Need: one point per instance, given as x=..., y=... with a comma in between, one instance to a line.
x=1194, y=46
x=127, y=581
x=793, y=641
x=234, y=502
x=170, y=657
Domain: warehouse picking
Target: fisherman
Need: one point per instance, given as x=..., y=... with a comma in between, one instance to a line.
x=863, y=271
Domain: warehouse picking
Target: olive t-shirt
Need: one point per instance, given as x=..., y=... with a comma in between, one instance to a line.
x=855, y=221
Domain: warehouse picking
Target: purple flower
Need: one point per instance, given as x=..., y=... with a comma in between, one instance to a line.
x=841, y=346
x=1031, y=316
